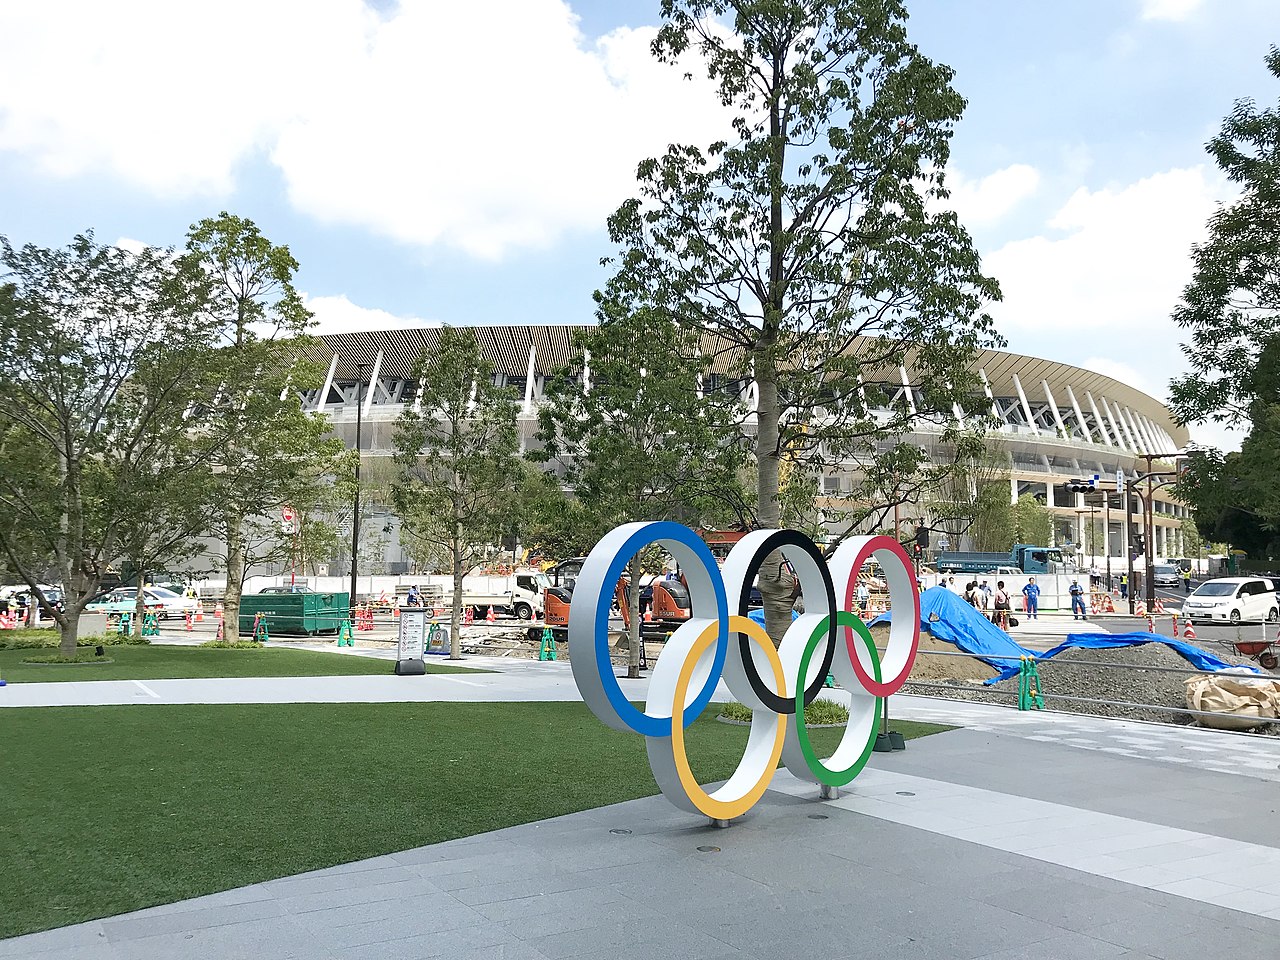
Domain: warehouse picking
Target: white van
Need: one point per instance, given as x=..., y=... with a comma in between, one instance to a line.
x=1233, y=600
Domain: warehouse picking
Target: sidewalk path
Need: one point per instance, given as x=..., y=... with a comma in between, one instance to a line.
x=969, y=845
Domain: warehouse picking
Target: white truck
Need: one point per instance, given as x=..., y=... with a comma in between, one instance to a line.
x=518, y=594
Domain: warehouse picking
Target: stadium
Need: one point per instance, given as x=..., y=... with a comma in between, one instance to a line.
x=1055, y=422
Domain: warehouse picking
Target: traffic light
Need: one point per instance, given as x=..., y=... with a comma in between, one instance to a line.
x=1082, y=486
x=1139, y=543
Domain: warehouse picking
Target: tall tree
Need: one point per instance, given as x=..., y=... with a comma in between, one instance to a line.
x=102, y=369
x=1231, y=307
x=1032, y=521
x=812, y=251
x=455, y=449
x=632, y=439
x=275, y=452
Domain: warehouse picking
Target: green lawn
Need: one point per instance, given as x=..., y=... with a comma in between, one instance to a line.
x=170, y=662
x=110, y=809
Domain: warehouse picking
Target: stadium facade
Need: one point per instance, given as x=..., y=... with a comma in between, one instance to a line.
x=1056, y=422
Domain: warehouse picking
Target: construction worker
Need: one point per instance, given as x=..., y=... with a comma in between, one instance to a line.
x=863, y=596
x=413, y=600
x=1186, y=579
x=1032, y=593
x=1077, y=600
x=1001, y=615
x=1124, y=586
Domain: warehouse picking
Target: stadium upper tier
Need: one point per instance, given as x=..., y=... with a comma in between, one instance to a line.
x=1052, y=416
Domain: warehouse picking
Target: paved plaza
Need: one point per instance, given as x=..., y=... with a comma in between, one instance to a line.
x=1019, y=836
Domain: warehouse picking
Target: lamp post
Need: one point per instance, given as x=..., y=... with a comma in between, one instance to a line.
x=355, y=510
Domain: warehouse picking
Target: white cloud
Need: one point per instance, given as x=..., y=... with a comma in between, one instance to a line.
x=484, y=126
x=166, y=96
x=337, y=314
x=1097, y=288
x=1119, y=265
x=1124, y=372
x=990, y=198
x=1169, y=9
x=130, y=245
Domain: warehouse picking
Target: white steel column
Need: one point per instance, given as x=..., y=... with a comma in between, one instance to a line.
x=906, y=389
x=586, y=371
x=528, y=380
x=1022, y=398
x=1144, y=445
x=1075, y=407
x=1053, y=405
x=1013, y=490
x=1097, y=418
x=986, y=387
x=1116, y=426
x=373, y=379
x=328, y=385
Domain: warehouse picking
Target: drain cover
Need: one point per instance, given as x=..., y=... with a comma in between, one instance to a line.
x=905, y=793
x=708, y=849
x=817, y=816
x=620, y=831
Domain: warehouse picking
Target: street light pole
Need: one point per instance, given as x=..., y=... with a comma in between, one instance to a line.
x=355, y=510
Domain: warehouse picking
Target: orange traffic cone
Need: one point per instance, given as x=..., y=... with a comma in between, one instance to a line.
x=491, y=616
x=648, y=615
x=1159, y=606
x=217, y=612
x=1141, y=609
x=1190, y=632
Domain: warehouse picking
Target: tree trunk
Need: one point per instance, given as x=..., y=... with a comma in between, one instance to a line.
x=775, y=583
x=70, y=631
x=139, y=606
x=455, y=616
x=634, y=634
x=235, y=576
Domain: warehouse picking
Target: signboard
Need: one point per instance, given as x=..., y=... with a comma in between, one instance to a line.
x=1120, y=480
x=411, y=642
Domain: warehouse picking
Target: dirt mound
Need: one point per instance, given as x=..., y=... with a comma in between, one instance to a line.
x=1073, y=673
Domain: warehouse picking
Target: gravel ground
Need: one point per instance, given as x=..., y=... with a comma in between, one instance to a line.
x=1065, y=675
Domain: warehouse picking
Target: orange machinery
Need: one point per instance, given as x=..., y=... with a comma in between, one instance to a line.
x=668, y=606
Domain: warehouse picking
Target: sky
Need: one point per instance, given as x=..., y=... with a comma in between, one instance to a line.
x=456, y=162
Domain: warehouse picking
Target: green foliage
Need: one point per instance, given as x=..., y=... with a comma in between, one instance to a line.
x=103, y=366
x=231, y=645
x=638, y=443
x=273, y=452
x=994, y=525
x=1231, y=307
x=1032, y=521
x=807, y=251
x=821, y=712
x=1192, y=543
x=454, y=452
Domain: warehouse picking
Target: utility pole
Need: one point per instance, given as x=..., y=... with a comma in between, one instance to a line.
x=1128, y=543
x=355, y=512
x=1106, y=537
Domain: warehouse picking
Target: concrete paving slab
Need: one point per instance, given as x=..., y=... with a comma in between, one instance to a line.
x=909, y=863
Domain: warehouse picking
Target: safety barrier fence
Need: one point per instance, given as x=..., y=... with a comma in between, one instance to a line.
x=987, y=691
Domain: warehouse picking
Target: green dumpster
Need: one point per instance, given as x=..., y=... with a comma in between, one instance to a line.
x=295, y=613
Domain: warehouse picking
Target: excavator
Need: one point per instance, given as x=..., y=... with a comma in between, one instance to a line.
x=664, y=604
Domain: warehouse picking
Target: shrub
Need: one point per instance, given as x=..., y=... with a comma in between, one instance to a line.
x=26, y=639
x=231, y=645
x=821, y=711
x=59, y=658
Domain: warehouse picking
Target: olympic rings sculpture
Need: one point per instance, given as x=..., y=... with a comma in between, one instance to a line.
x=775, y=683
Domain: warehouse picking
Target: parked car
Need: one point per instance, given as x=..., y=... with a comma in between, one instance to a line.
x=1233, y=600
x=159, y=600
x=1166, y=575
x=293, y=589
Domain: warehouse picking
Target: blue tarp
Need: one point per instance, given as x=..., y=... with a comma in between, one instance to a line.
x=949, y=618
x=758, y=615
x=1200, y=659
